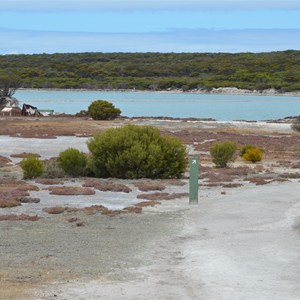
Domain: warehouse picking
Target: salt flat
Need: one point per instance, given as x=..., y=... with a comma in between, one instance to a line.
x=244, y=245
x=237, y=243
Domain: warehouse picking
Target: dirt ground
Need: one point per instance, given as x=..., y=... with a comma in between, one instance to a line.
x=240, y=242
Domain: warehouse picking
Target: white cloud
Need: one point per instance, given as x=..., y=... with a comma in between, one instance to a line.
x=146, y=4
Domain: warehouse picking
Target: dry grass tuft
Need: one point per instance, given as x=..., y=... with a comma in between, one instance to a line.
x=70, y=191
x=147, y=203
x=232, y=185
x=29, y=200
x=54, y=210
x=7, y=203
x=149, y=186
x=4, y=161
x=176, y=182
x=13, y=190
x=133, y=209
x=258, y=180
x=25, y=155
x=107, y=186
x=290, y=175
x=73, y=219
x=49, y=181
x=162, y=196
x=22, y=217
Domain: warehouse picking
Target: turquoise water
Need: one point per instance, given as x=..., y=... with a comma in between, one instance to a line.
x=177, y=105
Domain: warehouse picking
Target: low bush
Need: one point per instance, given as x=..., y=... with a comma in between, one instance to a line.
x=32, y=167
x=52, y=169
x=253, y=154
x=82, y=113
x=73, y=162
x=137, y=152
x=223, y=153
x=246, y=148
x=249, y=147
x=103, y=110
x=296, y=124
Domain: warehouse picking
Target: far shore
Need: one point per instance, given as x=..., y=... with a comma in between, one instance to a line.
x=226, y=91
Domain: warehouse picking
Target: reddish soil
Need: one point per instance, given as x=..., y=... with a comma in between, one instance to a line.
x=161, y=196
x=149, y=186
x=105, y=186
x=11, y=191
x=70, y=191
x=22, y=217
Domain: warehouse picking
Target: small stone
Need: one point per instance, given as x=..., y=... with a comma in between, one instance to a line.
x=29, y=200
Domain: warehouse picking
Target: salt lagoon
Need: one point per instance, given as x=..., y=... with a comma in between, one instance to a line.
x=221, y=107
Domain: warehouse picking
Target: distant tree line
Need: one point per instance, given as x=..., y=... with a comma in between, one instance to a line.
x=156, y=71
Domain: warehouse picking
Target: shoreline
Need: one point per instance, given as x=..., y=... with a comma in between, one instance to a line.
x=225, y=91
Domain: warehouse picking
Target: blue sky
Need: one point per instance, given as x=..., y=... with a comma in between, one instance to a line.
x=42, y=26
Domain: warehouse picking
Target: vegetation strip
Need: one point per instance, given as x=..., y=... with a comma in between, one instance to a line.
x=156, y=71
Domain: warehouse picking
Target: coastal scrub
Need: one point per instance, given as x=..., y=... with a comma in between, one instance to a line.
x=32, y=167
x=223, y=153
x=137, y=152
x=103, y=110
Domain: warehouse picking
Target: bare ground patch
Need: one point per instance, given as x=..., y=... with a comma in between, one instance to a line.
x=11, y=191
x=107, y=186
x=146, y=186
x=70, y=190
x=162, y=196
x=22, y=217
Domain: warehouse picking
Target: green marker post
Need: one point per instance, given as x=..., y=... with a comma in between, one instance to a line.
x=194, y=163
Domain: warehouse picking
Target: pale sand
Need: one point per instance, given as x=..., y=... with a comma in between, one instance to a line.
x=242, y=245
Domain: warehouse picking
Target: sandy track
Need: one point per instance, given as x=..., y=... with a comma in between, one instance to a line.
x=244, y=245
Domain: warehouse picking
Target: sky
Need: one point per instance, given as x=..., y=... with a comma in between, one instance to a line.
x=64, y=26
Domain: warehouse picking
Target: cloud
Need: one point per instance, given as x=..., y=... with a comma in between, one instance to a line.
x=201, y=40
x=36, y=5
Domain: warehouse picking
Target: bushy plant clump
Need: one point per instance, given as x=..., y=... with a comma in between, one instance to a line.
x=137, y=152
x=82, y=113
x=32, y=167
x=252, y=153
x=296, y=124
x=52, y=169
x=223, y=153
x=246, y=148
x=73, y=162
x=103, y=110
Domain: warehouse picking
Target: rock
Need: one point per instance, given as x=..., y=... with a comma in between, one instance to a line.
x=29, y=200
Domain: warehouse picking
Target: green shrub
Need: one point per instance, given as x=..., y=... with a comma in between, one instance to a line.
x=82, y=113
x=296, y=124
x=73, y=162
x=253, y=154
x=32, y=167
x=137, y=152
x=222, y=153
x=103, y=110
